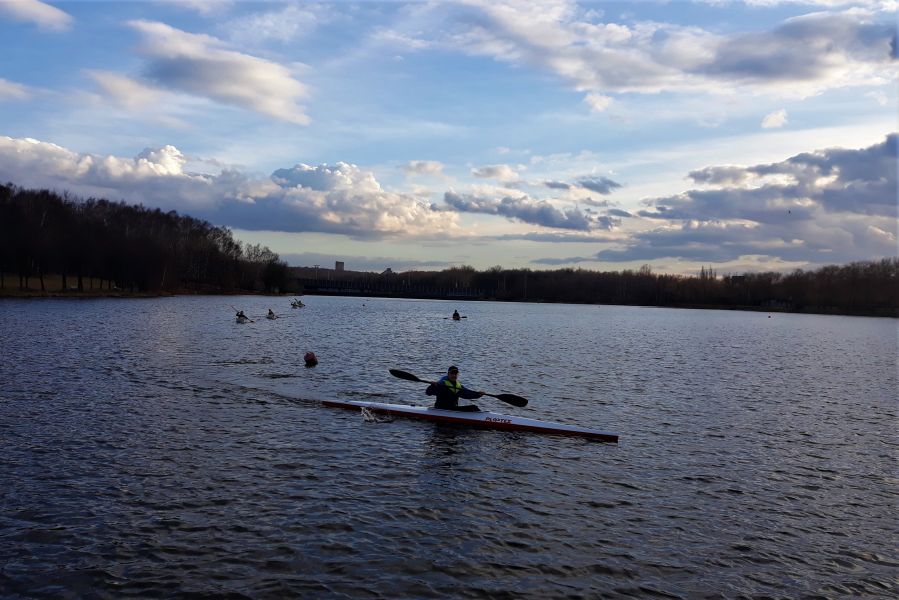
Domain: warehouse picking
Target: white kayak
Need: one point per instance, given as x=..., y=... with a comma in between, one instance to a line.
x=485, y=419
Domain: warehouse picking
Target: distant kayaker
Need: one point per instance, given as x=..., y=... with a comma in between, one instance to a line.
x=448, y=391
x=310, y=359
x=271, y=314
x=456, y=316
x=240, y=315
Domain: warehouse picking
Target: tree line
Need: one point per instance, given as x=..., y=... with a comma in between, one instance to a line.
x=136, y=249
x=861, y=288
x=130, y=248
x=867, y=287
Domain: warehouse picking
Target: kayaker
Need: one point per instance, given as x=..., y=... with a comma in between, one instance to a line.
x=456, y=316
x=271, y=314
x=448, y=391
x=310, y=359
x=240, y=315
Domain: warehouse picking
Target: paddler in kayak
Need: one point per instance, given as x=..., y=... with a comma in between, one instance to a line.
x=448, y=391
x=456, y=316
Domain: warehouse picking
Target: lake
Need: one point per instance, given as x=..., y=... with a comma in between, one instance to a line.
x=155, y=448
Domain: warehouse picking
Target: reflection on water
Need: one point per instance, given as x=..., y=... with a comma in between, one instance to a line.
x=155, y=448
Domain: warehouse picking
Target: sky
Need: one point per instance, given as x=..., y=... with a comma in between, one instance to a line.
x=743, y=136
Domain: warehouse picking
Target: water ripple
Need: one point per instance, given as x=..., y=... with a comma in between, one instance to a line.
x=155, y=449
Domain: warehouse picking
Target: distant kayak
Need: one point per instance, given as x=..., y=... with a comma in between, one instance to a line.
x=483, y=419
x=242, y=320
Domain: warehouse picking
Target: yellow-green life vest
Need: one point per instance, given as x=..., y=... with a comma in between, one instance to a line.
x=455, y=388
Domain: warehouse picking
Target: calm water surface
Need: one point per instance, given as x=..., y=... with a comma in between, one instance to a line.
x=155, y=448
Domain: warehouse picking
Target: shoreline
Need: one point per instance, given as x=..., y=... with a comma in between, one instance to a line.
x=6, y=293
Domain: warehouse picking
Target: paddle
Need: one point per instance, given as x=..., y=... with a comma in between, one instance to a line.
x=245, y=317
x=507, y=398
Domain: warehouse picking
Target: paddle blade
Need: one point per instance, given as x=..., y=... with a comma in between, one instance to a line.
x=406, y=376
x=510, y=399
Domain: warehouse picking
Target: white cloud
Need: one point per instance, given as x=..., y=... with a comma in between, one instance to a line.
x=803, y=56
x=879, y=97
x=338, y=199
x=10, y=90
x=41, y=14
x=423, y=167
x=203, y=7
x=597, y=102
x=201, y=65
x=126, y=91
x=288, y=23
x=884, y=5
x=774, y=120
x=341, y=176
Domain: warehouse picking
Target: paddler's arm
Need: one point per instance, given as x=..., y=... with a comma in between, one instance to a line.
x=468, y=394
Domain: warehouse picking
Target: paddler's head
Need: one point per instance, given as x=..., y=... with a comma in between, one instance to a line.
x=452, y=372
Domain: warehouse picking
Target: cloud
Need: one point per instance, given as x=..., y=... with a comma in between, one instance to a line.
x=155, y=177
x=557, y=185
x=126, y=91
x=287, y=24
x=598, y=102
x=41, y=14
x=10, y=90
x=879, y=97
x=203, y=7
x=802, y=56
x=325, y=178
x=528, y=210
x=600, y=185
x=201, y=65
x=340, y=199
x=564, y=237
x=832, y=205
x=774, y=120
x=501, y=172
x=423, y=167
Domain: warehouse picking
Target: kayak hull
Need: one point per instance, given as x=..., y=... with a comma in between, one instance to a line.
x=483, y=419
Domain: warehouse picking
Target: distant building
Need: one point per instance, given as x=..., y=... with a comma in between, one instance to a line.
x=338, y=265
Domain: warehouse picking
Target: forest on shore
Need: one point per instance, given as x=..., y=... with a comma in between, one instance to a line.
x=83, y=243
x=70, y=245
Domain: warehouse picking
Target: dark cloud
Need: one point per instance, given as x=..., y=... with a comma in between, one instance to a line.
x=557, y=185
x=600, y=185
x=805, y=48
x=833, y=205
x=554, y=238
x=563, y=261
x=523, y=208
x=834, y=180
